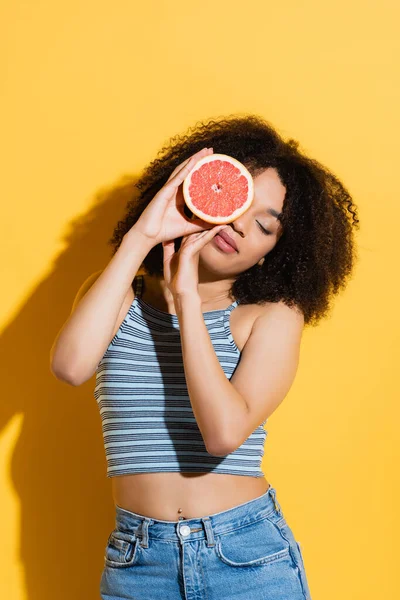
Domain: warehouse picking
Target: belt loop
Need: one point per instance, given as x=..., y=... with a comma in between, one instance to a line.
x=145, y=532
x=275, y=501
x=209, y=531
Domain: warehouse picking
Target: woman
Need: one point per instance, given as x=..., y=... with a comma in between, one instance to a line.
x=194, y=353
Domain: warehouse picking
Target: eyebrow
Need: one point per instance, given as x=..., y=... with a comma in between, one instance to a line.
x=274, y=213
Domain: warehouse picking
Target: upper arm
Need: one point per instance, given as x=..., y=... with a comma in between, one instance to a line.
x=81, y=292
x=268, y=363
x=86, y=285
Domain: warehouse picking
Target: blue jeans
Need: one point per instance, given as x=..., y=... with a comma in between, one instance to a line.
x=248, y=552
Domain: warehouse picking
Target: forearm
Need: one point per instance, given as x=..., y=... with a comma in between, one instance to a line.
x=85, y=336
x=218, y=408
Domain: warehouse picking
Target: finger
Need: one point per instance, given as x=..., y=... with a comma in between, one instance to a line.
x=202, y=237
x=178, y=168
x=168, y=252
x=168, y=249
x=189, y=238
x=212, y=232
x=187, y=165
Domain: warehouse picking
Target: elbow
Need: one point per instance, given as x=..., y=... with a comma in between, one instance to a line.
x=220, y=448
x=71, y=378
x=65, y=373
x=64, y=377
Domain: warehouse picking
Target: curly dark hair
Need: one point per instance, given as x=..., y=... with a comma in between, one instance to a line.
x=313, y=258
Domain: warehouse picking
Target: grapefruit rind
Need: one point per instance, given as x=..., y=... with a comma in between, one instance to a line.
x=223, y=218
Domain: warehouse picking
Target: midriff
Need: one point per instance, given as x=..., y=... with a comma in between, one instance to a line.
x=161, y=495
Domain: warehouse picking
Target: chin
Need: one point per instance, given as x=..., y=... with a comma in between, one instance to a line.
x=216, y=263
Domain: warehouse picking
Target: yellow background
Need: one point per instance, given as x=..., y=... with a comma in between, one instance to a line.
x=90, y=91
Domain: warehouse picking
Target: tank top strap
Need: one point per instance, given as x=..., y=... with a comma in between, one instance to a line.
x=227, y=325
x=233, y=305
x=138, y=285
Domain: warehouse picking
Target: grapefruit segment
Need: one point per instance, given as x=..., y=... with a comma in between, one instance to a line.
x=218, y=189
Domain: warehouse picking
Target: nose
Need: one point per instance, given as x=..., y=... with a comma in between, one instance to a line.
x=237, y=226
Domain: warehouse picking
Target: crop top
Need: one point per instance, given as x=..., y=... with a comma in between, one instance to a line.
x=147, y=420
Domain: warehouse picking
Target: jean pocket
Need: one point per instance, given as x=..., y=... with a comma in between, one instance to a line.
x=258, y=543
x=121, y=549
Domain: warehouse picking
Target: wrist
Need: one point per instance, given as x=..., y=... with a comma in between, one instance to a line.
x=186, y=301
x=135, y=238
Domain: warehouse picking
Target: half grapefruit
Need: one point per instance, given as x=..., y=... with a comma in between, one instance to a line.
x=218, y=189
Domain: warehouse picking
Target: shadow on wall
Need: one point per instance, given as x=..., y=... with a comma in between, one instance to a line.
x=59, y=468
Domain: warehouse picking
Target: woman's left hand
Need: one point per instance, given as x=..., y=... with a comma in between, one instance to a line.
x=181, y=269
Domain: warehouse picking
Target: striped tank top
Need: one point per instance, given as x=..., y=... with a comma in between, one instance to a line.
x=147, y=420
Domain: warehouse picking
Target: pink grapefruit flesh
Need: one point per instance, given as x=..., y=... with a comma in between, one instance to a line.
x=218, y=189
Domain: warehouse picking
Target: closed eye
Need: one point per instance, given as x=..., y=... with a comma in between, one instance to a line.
x=266, y=231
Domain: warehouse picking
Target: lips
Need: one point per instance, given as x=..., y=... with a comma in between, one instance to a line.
x=228, y=238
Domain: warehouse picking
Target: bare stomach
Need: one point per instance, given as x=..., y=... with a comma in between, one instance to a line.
x=161, y=495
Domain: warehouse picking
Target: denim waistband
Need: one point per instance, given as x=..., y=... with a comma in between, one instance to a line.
x=198, y=528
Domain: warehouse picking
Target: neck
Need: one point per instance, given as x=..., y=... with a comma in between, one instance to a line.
x=213, y=294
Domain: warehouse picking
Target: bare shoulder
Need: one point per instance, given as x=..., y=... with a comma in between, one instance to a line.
x=127, y=303
x=89, y=281
x=247, y=319
x=280, y=312
x=129, y=298
x=276, y=325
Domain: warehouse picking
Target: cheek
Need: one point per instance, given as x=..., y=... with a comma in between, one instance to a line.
x=260, y=247
x=257, y=251
x=267, y=245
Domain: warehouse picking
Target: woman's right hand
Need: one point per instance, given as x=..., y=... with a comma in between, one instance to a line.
x=164, y=218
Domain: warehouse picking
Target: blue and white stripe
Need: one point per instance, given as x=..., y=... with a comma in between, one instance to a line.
x=147, y=420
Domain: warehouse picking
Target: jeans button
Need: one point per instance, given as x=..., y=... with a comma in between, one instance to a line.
x=185, y=530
